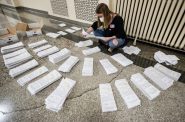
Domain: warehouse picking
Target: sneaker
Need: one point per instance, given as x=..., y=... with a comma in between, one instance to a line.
x=110, y=50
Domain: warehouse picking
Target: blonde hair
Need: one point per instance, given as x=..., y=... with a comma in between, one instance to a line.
x=103, y=9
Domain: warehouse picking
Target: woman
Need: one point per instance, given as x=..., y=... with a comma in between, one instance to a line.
x=109, y=26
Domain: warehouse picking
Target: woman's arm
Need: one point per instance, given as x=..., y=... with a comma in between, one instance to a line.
x=106, y=39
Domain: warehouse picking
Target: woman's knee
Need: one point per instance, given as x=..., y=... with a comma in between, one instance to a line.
x=115, y=42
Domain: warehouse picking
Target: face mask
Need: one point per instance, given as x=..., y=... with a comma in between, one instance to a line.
x=101, y=19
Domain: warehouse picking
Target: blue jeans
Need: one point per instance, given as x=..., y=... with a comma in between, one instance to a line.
x=100, y=32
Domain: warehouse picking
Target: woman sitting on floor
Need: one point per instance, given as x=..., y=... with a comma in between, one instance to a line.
x=110, y=27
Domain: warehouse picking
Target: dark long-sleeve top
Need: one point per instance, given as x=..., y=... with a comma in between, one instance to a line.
x=114, y=29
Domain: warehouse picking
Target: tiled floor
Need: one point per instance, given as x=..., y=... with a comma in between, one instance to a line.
x=83, y=104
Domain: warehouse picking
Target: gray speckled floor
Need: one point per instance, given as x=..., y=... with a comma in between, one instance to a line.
x=83, y=104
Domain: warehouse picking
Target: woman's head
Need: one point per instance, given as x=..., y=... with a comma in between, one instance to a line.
x=104, y=15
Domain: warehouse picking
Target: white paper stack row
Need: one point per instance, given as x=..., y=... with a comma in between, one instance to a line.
x=108, y=103
x=41, y=48
x=87, y=67
x=48, y=52
x=163, y=81
x=14, y=61
x=76, y=28
x=168, y=72
x=59, y=56
x=161, y=57
x=23, y=68
x=62, y=25
x=68, y=64
x=126, y=92
x=91, y=51
x=70, y=30
x=144, y=86
x=84, y=43
x=56, y=99
x=36, y=44
x=108, y=66
x=43, y=82
x=31, y=76
x=11, y=48
x=131, y=50
x=121, y=59
x=13, y=54
x=62, y=33
x=53, y=35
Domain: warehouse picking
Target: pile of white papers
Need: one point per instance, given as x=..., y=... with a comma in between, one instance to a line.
x=108, y=103
x=131, y=50
x=62, y=33
x=163, y=81
x=56, y=99
x=53, y=35
x=168, y=59
x=48, y=51
x=59, y=56
x=13, y=54
x=121, y=59
x=76, y=28
x=70, y=30
x=91, y=51
x=11, y=48
x=126, y=92
x=144, y=86
x=84, y=43
x=36, y=44
x=23, y=68
x=36, y=73
x=14, y=61
x=168, y=72
x=87, y=67
x=68, y=64
x=43, y=82
x=62, y=25
x=108, y=66
x=42, y=48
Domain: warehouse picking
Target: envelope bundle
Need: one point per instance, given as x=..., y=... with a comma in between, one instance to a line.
x=48, y=51
x=12, y=47
x=108, y=103
x=70, y=30
x=131, y=50
x=36, y=44
x=168, y=59
x=56, y=99
x=13, y=54
x=62, y=25
x=144, y=86
x=68, y=64
x=41, y=48
x=126, y=92
x=87, y=67
x=163, y=81
x=62, y=33
x=108, y=66
x=53, y=35
x=36, y=73
x=91, y=51
x=59, y=56
x=76, y=28
x=14, y=61
x=168, y=72
x=43, y=82
x=121, y=59
x=84, y=43
x=23, y=68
